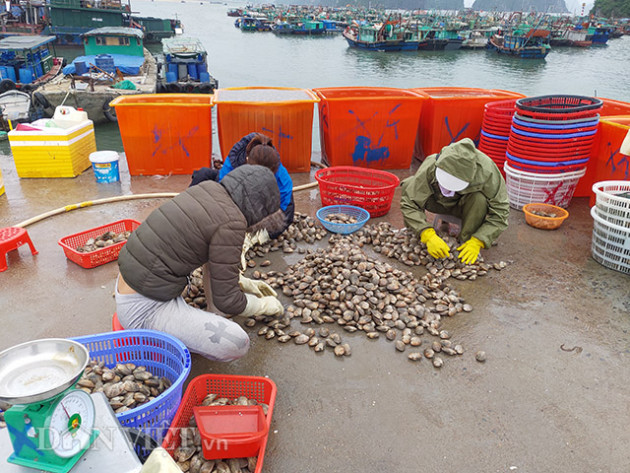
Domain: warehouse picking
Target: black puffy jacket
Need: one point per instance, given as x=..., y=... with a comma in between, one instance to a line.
x=204, y=224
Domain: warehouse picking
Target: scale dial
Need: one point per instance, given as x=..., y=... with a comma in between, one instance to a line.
x=71, y=424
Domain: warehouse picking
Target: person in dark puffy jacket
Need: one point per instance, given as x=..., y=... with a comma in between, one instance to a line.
x=256, y=148
x=205, y=224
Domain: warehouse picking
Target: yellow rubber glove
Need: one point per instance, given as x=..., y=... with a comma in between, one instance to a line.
x=257, y=288
x=435, y=245
x=469, y=251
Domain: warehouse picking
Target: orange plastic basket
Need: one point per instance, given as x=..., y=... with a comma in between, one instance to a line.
x=542, y=222
x=224, y=385
x=370, y=189
x=102, y=255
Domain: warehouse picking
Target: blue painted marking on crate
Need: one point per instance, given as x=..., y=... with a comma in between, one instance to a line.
x=450, y=133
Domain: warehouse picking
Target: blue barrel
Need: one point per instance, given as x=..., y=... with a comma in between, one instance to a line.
x=204, y=77
x=38, y=70
x=202, y=67
x=3, y=72
x=106, y=63
x=172, y=67
x=11, y=73
x=192, y=71
x=80, y=67
x=171, y=77
x=26, y=75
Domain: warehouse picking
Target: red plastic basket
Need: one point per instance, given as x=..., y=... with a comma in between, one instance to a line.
x=102, y=255
x=230, y=386
x=370, y=189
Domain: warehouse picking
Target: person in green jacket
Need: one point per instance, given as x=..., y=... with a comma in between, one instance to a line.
x=463, y=182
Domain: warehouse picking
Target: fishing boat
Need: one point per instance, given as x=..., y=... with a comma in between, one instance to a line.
x=474, y=39
x=27, y=62
x=23, y=17
x=183, y=67
x=377, y=37
x=70, y=19
x=530, y=44
x=115, y=63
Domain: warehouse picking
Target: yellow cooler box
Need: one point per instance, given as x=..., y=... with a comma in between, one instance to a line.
x=52, y=152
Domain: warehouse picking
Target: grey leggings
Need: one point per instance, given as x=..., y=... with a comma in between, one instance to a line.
x=206, y=333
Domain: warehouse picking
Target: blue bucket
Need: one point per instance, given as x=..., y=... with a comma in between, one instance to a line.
x=80, y=67
x=105, y=166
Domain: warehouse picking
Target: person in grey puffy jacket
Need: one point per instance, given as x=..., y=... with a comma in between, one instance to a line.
x=205, y=224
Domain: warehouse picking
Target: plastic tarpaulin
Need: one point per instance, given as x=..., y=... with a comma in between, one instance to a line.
x=129, y=65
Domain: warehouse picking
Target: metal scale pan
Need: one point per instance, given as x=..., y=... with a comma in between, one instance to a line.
x=40, y=369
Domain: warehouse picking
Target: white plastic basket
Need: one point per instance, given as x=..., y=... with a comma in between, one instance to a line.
x=610, y=206
x=528, y=187
x=611, y=244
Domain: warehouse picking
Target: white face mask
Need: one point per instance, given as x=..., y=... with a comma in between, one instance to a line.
x=446, y=192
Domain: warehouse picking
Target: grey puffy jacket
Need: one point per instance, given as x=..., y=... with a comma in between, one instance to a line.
x=204, y=224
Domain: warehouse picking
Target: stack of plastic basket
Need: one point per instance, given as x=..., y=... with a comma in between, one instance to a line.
x=549, y=146
x=495, y=130
x=611, y=225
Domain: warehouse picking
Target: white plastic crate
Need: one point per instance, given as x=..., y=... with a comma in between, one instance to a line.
x=611, y=244
x=528, y=187
x=610, y=206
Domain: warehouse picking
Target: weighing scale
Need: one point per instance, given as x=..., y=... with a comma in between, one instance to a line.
x=51, y=424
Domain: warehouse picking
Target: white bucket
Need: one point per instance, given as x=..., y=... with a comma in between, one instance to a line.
x=105, y=166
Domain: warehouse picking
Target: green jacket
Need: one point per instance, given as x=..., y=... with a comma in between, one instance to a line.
x=464, y=161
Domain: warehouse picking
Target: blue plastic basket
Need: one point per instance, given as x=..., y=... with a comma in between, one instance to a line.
x=360, y=214
x=162, y=355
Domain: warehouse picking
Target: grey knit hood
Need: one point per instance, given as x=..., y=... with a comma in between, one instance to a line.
x=254, y=190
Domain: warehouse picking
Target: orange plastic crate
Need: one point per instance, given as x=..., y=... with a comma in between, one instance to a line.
x=284, y=114
x=102, y=255
x=371, y=127
x=165, y=133
x=230, y=386
x=451, y=114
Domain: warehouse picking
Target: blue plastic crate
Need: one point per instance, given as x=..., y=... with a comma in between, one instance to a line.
x=162, y=355
x=360, y=214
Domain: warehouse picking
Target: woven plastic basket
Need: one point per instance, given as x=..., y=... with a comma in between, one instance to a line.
x=162, y=355
x=611, y=244
x=526, y=187
x=230, y=386
x=102, y=255
x=370, y=189
x=557, y=106
x=360, y=214
x=611, y=205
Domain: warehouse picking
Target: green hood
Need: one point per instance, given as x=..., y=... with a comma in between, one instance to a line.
x=458, y=159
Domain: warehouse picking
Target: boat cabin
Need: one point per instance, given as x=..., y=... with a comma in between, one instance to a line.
x=25, y=59
x=114, y=40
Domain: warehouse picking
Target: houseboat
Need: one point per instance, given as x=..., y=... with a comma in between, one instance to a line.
x=183, y=67
x=115, y=63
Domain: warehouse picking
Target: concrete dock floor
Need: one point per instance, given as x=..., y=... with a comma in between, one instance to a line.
x=532, y=407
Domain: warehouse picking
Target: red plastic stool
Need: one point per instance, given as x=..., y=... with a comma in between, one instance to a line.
x=116, y=327
x=10, y=239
